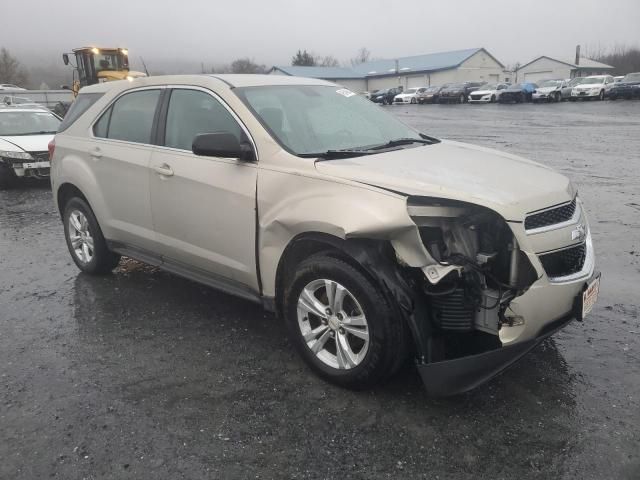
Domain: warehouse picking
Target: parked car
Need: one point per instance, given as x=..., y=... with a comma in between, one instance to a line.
x=618, y=78
x=595, y=86
x=11, y=87
x=358, y=230
x=409, y=96
x=518, y=93
x=628, y=87
x=549, y=91
x=430, y=95
x=457, y=92
x=25, y=132
x=487, y=93
x=565, y=91
x=386, y=96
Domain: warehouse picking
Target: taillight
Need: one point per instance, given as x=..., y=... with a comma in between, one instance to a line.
x=52, y=147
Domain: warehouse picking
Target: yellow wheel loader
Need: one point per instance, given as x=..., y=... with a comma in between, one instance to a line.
x=95, y=65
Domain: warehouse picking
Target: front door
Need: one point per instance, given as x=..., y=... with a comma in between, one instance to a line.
x=203, y=208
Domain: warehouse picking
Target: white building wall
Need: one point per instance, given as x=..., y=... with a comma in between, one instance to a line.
x=354, y=84
x=480, y=67
x=542, y=69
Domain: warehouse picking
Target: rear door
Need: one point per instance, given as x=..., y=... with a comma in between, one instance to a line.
x=119, y=155
x=204, y=210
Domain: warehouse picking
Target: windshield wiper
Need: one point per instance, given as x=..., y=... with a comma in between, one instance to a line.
x=405, y=141
x=345, y=153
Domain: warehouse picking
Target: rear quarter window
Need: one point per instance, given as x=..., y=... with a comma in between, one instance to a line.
x=80, y=105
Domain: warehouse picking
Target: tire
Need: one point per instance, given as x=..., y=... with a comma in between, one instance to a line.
x=462, y=98
x=370, y=361
x=94, y=260
x=601, y=95
x=493, y=99
x=557, y=97
x=7, y=177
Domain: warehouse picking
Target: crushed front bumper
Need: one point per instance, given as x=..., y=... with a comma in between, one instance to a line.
x=452, y=377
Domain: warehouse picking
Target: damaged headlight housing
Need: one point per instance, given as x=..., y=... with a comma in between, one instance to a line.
x=15, y=155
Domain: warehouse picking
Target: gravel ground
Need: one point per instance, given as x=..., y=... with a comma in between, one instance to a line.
x=144, y=375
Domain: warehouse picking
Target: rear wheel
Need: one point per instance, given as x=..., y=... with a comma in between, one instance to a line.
x=341, y=323
x=493, y=99
x=84, y=238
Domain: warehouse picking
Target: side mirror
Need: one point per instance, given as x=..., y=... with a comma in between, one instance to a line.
x=65, y=58
x=222, y=144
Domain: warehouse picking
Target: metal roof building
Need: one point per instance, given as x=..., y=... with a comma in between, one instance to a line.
x=414, y=71
x=547, y=68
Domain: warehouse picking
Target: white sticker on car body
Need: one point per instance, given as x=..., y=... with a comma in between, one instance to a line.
x=346, y=93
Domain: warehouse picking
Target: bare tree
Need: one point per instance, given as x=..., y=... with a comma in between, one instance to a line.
x=625, y=59
x=327, y=61
x=247, y=65
x=363, y=56
x=11, y=71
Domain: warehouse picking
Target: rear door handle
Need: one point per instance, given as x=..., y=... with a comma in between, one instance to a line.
x=95, y=152
x=164, y=170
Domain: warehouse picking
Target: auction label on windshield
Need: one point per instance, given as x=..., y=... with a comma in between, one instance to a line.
x=345, y=92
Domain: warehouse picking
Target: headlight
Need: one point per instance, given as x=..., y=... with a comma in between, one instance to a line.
x=18, y=155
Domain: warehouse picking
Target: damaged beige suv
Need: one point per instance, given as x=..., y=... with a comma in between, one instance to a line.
x=373, y=241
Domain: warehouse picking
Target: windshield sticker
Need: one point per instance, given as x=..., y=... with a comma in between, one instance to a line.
x=346, y=93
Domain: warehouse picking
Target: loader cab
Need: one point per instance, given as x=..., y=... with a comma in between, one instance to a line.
x=94, y=65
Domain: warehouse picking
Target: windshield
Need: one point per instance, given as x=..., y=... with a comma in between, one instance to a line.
x=632, y=77
x=591, y=81
x=455, y=85
x=308, y=119
x=411, y=90
x=28, y=123
x=550, y=83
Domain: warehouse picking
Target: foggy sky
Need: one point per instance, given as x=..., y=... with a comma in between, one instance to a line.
x=216, y=32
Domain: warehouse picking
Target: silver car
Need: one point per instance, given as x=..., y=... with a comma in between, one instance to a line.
x=370, y=239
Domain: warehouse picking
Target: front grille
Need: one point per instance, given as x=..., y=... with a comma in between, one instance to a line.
x=551, y=217
x=476, y=97
x=564, y=262
x=40, y=156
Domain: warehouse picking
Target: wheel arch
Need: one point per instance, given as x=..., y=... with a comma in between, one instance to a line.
x=66, y=192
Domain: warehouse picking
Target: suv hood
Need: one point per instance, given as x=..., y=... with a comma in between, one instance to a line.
x=27, y=143
x=507, y=184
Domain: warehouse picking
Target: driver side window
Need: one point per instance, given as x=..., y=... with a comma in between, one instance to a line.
x=192, y=112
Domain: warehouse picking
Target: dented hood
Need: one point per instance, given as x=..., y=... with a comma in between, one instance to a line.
x=508, y=184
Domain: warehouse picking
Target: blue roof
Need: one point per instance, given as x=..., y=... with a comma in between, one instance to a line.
x=330, y=73
x=418, y=63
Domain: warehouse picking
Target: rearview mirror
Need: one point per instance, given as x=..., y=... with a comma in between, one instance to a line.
x=65, y=58
x=222, y=144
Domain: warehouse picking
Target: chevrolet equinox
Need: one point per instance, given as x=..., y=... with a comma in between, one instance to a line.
x=371, y=240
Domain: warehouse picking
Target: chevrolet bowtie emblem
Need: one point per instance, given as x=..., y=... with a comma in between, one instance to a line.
x=580, y=233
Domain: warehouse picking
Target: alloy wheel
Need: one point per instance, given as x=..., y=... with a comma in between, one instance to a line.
x=333, y=324
x=80, y=236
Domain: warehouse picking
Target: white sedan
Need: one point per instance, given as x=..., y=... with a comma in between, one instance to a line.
x=596, y=86
x=25, y=133
x=409, y=96
x=487, y=93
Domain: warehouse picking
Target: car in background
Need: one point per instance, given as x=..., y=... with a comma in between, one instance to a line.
x=618, y=78
x=518, y=93
x=409, y=96
x=25, y=132
x=386, y=96
x=565, y=92
x=549, y=91
x=430, y=94
x=10, y=87
x=458, y=92
x=595, y=86
x=488, y=93
x=628, y=87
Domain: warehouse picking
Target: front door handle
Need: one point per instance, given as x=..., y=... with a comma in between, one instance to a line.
x=164, y=170
x=95, y=152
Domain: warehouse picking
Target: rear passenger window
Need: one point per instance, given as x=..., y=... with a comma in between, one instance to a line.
x=192, y=112
x=130, y=118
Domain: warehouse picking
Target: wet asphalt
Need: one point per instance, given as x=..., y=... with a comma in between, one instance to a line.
x=141, y=374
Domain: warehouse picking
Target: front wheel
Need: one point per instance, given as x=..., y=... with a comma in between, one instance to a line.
x=341, y=324
x=84, y=238
x=601, y=95
x=461, y=99
x=413, y=100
